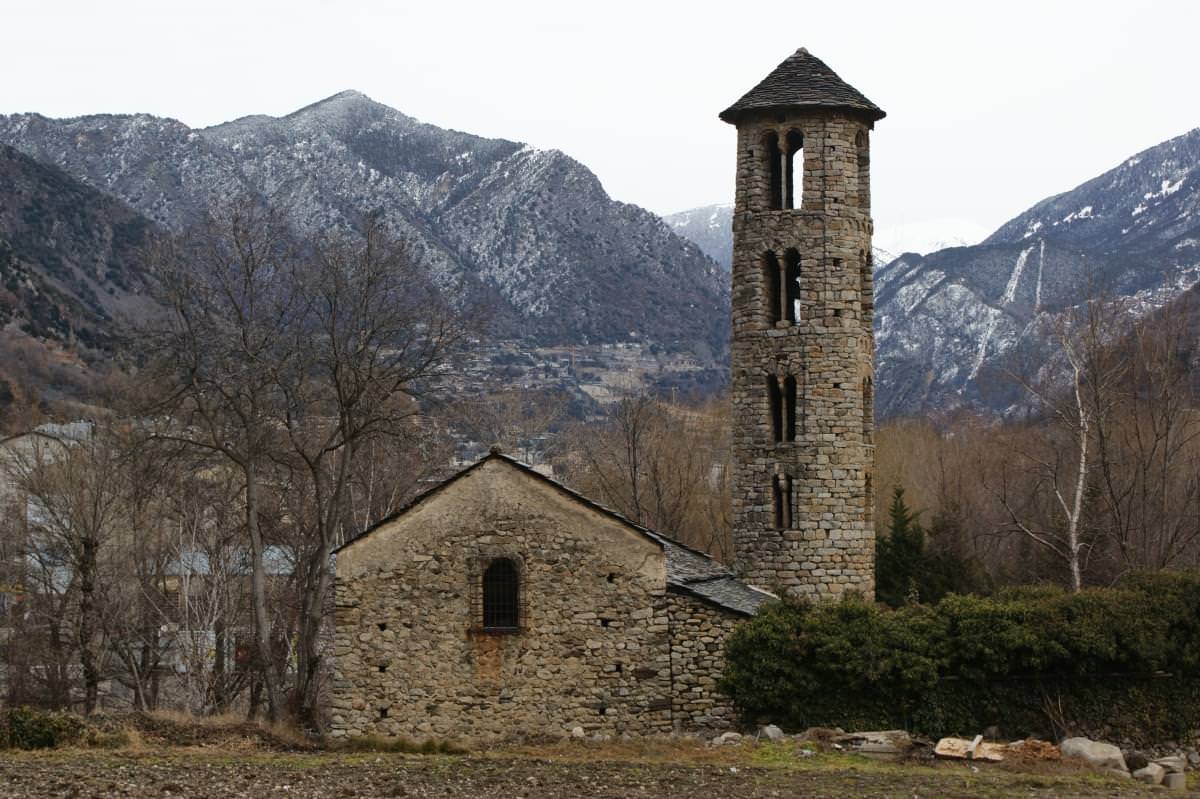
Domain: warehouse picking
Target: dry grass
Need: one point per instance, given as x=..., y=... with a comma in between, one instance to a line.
x=170, y=753
x=639, y=770
x=174, y=729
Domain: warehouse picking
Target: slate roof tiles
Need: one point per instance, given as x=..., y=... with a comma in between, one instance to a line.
x=802, y=80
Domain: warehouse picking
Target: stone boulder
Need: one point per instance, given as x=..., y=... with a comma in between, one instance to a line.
x=1175, y=782
x=1097, y=753
x=1151, y=774
x=1174, y=764
x=771, y=733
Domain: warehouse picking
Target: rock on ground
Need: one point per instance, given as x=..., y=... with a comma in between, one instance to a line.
x=771, y=732
x=1097, y=753
x=1175, y=782
x=1151, y=774
x=1174, y=764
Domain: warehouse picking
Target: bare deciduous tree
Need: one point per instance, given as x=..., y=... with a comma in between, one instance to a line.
x=661, y=465
x=1049, y=509
x=374, y=340
x=230, y=287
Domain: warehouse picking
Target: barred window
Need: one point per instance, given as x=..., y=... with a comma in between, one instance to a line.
x=501, y=596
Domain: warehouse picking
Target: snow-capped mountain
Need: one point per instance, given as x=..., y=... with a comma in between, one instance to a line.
x=530, y=234
x=709, y=227
x=949, y=324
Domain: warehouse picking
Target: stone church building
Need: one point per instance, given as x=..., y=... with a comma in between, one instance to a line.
x=501, y=603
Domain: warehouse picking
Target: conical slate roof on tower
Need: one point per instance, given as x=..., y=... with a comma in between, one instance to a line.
x=802, y=80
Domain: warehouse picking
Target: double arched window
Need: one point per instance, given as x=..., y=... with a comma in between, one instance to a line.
x=781, y=287
x=785, y=169
x=783, y=401
x=781, y=499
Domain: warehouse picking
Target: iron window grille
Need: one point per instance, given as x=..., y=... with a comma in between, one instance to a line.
x=501, y=596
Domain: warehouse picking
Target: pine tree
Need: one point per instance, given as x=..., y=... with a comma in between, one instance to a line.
x=899, y=558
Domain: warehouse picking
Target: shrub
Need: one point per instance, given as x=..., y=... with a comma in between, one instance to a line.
x=26, y=728
x=1030, y=660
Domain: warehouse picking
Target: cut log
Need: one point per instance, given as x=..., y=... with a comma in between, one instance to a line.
x=962, y=749
x=879, y=744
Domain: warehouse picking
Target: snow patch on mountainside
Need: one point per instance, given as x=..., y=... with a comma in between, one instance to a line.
x=529, y=234
x=949, y=323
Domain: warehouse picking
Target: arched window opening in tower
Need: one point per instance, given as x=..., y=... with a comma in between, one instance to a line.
x=501, y=596
x=868, y=415
x=789, y=396
x=791, y=285
x=775, y=401
x=781, y=495
x=793, y=187
x=787, y=502
x=867, y=286
x=777, y=500
x=771, y=278
x=864, y=169
x=774, y=157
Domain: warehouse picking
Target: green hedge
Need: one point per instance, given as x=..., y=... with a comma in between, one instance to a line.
x=27, y=728
x=1120, y=661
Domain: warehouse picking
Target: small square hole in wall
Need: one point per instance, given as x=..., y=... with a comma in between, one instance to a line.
x=605, y=622
x=603, y=711
x=620, y=668
x=612, y=577
x=383, y=668
x=382, y=626
x=383, y=712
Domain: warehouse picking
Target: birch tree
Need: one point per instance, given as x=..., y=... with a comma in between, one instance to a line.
x=1048, y=507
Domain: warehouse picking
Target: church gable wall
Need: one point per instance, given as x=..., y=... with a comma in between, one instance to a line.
x=593, y=647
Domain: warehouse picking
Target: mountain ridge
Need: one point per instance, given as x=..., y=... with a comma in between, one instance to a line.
x=530, y=232
x=951, y=324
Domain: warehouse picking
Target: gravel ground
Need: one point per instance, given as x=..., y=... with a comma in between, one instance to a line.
x=206, y=773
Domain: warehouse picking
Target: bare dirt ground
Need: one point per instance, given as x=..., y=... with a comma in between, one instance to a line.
x=556, y=772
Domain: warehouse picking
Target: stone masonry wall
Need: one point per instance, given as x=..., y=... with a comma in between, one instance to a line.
x=595, y=645
x=826, y=547
x=698, y=633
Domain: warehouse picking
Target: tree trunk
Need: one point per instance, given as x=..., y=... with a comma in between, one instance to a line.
x=258, y=586
x=88, y=625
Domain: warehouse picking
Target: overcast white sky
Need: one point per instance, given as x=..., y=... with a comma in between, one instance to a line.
x=991, y=107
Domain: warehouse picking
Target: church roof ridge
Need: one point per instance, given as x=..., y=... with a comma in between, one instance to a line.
x=802, y=81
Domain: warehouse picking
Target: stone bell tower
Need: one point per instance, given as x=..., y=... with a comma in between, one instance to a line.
x=803, y=348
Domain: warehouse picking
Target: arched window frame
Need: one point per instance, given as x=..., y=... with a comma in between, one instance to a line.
x=782, y=501
x=785, y=408
x=783, y=154
x=775, y=407
x=793, y=169
x=791, y=286
x=773, y=310
x=863, y=161
x=499, y=606
x=773, y=154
